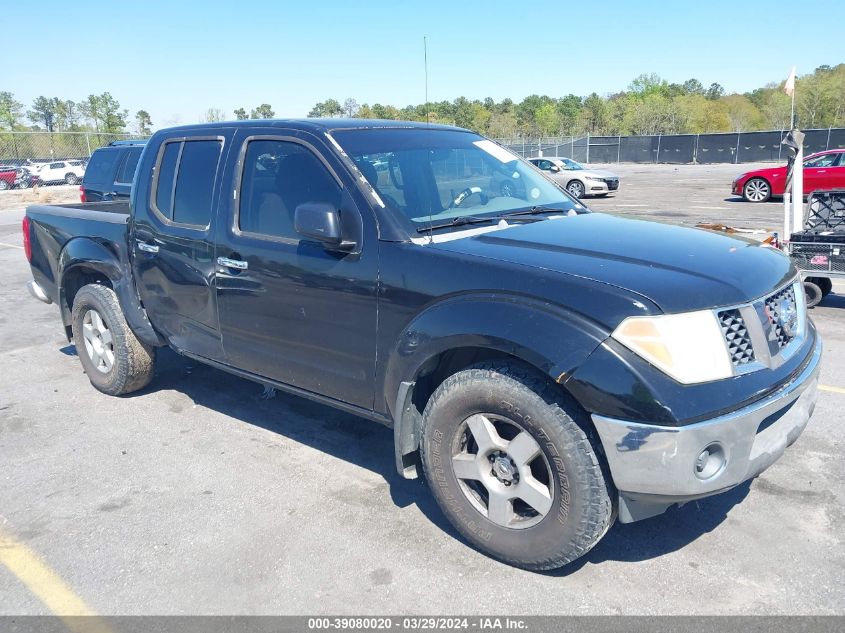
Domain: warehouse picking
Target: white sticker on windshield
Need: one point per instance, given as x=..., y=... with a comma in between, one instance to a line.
x=496, y=151
x=535, y=193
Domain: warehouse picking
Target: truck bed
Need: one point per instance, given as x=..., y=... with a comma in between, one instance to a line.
x=55, y=226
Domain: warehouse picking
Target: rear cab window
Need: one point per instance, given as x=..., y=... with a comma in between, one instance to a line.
x=126, y=173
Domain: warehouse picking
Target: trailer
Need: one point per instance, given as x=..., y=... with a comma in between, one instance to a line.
x=818, y=250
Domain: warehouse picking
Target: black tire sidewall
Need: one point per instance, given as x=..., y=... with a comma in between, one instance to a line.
x=95, y=298
x=558, y=438
x=813, y=293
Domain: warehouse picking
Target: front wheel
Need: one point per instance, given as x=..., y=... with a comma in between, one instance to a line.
x=575, y=189
x=115, y=361
x=71, y=179
x=757, y=190
x=3, y=185
x=511, y=469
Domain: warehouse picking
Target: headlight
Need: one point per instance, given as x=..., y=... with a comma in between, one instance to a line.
x=689, y=347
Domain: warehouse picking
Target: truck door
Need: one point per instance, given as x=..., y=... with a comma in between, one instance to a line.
x=290, y=310
x=172, y=245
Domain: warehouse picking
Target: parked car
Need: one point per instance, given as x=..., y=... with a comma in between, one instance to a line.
x=823, y=171
x=24, y=178
x=110, y=171
x=8, y=174
x=547, y=369
x=578, y=180
x=62, y=171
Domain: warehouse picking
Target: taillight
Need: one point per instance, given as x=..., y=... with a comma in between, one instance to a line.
x=27, y=242
x=82, y=197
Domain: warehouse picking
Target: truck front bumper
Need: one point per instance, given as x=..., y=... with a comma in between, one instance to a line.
x=655, y=467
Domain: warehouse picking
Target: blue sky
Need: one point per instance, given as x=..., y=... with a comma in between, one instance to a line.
x=176, y=59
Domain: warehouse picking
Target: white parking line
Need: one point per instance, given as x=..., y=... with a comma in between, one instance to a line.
x=712, y=208
x=10, y=245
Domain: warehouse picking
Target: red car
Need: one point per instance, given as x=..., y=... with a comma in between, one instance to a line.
x=823, y=170
x=7, y=177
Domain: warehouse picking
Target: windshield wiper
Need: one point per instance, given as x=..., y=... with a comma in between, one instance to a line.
x=537, y=210
x=461, y=220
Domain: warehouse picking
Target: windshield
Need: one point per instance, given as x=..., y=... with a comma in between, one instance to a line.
x=571, y=165
x=431, y=177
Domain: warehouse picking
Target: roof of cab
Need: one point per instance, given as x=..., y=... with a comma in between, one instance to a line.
x=320, y=125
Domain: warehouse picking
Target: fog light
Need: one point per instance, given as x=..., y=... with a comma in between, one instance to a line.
x=710, y=461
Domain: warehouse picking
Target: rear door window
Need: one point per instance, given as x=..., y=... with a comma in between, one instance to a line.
x=186, y=173
x=195, y=182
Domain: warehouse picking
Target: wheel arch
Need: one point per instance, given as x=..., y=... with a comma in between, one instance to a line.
x=85, y=261
x=457, y=334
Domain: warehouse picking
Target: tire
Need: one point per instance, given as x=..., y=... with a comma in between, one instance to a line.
x=528, y=416
x=25, y=184
x=813, y=293
x=824, y=283
x=576, y=188
x=71, y=179
x=757, y=190
x=3, y=185
x=115, y=361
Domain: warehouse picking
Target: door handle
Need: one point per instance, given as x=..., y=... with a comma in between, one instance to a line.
x=147, y=248
x=232, y=263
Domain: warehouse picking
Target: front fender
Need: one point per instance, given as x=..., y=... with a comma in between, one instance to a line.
x=546, y=336
x=91, y=256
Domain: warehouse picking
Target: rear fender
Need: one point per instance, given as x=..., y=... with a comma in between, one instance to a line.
x=87, y=256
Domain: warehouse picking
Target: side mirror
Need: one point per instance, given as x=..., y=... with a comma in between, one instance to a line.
x=554, y=169
x=320, y=221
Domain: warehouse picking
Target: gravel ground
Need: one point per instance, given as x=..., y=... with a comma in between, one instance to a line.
x=197, y=496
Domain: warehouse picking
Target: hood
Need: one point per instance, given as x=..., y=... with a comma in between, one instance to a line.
x=596, y=173
x=678, y=268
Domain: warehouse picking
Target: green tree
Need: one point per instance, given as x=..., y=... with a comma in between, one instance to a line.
x=693, y=87
x=43, y=112
x=547, y=119
x=142, y=117
x=264, y=111
x=240, y=114
x=714, y=91
x=10, y=110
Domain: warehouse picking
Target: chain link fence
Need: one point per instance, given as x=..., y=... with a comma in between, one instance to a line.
x=18, y=147
x=733, y=147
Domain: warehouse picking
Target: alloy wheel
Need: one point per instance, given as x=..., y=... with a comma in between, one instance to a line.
x=99, y=343
x=502, y=471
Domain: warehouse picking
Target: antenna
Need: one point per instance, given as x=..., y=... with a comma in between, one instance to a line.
x=425, y=62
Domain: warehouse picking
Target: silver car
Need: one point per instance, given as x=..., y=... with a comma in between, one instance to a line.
x=578, y=180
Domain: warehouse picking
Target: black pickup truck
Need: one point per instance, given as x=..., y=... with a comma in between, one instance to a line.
x=547, y=369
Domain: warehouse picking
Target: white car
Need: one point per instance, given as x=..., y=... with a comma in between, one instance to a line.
x=67, y=171
x=577, y=179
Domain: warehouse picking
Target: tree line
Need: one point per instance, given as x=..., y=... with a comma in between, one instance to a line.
x=650, y=105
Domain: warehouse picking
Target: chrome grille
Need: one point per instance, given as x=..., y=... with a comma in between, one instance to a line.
x=737, y=337
x=773, y=307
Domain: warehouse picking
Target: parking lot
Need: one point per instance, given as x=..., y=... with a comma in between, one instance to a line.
x=198, y=496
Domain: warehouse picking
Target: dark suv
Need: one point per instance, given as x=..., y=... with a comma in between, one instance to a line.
x=110, y=171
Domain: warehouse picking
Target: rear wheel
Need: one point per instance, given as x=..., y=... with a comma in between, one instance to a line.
x=825, y=283
x=71, y=179
x=511, y=469
x=115, y=361
x=757, y=190
x=575, y=188
x=3, y=185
